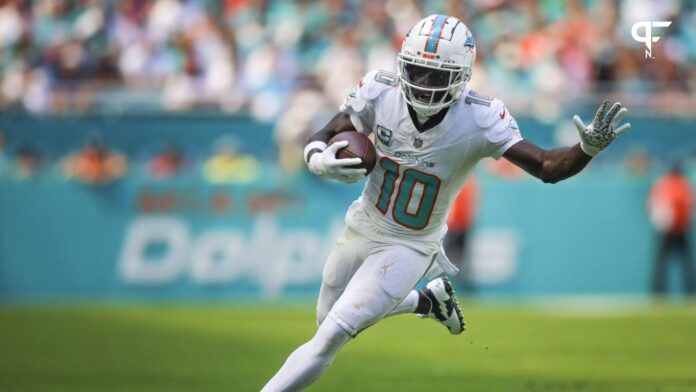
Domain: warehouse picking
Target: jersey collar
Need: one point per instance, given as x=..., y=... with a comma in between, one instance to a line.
x=430, y=122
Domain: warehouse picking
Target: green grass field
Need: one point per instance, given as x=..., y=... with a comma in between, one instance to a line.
x=238, y=347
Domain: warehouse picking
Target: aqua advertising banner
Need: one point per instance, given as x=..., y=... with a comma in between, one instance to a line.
x=189, y=238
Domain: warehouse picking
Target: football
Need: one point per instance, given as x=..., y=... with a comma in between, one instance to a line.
x=359, y=146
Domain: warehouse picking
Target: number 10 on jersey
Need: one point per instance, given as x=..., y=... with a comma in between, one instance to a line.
x=408, y=179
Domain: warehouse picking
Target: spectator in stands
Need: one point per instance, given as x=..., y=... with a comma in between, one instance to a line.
x=247, y=55
x=227, y=166
x=95, y=164
x=460, y=223
x=27, y=162
x=670, y=207
x=166, y=163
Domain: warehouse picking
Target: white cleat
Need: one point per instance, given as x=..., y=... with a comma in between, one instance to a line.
x=444, y=305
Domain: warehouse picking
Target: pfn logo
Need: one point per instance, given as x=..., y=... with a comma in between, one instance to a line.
x=647, y=38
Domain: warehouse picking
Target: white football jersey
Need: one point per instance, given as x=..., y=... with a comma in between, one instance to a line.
x=408, y=195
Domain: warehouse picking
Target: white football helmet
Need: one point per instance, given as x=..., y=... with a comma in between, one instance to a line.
x=435, y=63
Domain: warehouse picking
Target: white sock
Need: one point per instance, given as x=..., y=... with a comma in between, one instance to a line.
x=408, y=305
x=309, y=361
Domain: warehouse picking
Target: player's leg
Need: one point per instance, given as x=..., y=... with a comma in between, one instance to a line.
x=437, y=301
x=686, y=263
x=340, y=266
x=659, y=284
x=381, y=282
x=310, y=360
x=415, y=302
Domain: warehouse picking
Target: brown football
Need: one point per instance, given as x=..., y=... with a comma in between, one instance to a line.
x=359, y=146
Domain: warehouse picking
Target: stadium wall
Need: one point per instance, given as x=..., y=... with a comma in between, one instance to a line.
x=185, y=238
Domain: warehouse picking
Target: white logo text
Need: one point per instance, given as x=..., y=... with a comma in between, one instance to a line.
x=647, y=38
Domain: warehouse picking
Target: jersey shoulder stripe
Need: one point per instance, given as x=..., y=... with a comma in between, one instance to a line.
x=376, y=82
x=362, y=102
x=487, y=110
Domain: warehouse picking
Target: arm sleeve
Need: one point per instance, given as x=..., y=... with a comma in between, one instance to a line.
x=360, y=104
x=501, y=129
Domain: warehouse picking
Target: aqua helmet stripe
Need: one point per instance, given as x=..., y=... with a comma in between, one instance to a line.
x=435, y=32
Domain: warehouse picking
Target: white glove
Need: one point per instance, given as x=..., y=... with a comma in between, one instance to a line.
x=325, y=164
x=601, y=132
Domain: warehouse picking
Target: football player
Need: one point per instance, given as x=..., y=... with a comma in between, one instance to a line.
x=430, y=131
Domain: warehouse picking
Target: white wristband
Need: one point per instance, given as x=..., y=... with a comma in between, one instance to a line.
x=589, y=150
x=316, y=145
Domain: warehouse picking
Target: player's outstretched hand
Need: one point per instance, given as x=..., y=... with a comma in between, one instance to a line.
x=603, y=130
x=325, y=164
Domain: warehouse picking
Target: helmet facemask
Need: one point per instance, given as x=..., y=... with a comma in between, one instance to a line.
x=430, y=86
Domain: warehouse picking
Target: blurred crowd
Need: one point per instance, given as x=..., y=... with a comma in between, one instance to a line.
x=97, y=163
x=227, y=160
x=291, y=60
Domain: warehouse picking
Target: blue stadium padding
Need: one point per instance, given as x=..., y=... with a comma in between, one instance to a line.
x=61, y=239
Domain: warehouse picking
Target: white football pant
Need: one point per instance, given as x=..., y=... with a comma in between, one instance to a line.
x=364, y=279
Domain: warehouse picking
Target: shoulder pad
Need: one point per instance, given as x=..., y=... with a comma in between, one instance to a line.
x=376, y=82
x=487, y=115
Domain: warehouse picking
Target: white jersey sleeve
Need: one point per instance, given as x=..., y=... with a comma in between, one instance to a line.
x=361, y=101
x=500, y=127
